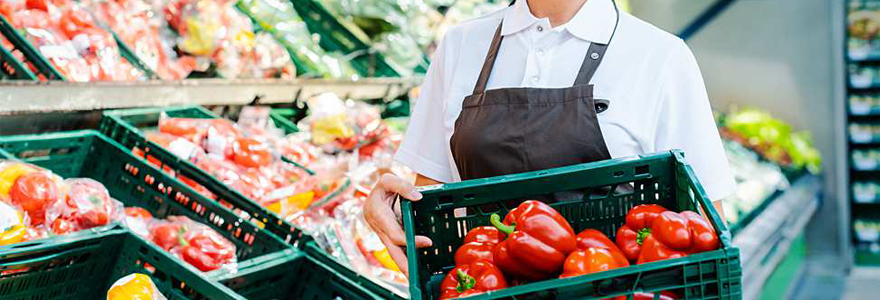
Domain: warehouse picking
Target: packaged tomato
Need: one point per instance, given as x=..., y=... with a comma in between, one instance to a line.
x=35, y=192
x=87, y=204
x=195, y=243
x=138, y=220
x=251, y=153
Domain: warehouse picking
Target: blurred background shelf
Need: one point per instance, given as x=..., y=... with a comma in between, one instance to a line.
x=69, y=96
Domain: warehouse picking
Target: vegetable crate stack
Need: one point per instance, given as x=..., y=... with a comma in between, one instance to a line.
x=622, y=229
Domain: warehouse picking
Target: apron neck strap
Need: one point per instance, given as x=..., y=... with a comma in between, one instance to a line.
x=489, y=62
x=591, y=63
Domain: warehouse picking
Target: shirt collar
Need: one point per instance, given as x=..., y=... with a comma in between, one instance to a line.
x=594, y=22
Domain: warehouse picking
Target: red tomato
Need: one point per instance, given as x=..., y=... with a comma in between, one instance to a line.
x=190, y=128
x=138, y=212
x=34, y=192
x=74, y=20
x=166, y=235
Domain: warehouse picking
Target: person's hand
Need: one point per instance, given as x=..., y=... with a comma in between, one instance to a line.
x=384, y=218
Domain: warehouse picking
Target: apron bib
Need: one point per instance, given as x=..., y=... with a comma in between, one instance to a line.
x=515, y=130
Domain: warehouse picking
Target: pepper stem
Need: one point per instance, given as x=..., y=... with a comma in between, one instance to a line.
x=465, y=281
x=495, y=219
x=642, y=235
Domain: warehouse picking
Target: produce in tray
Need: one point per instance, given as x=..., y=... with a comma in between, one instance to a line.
x=145, y=33
x=194, y=243
x=222, y=38
x=280, y=18
x=70, y=39
x=861, y=105
x=773, y=139
x=37, y=203
x=756, y=180
x=866, y=191
x=134, y=286
x=534, y=242
x=864, y=133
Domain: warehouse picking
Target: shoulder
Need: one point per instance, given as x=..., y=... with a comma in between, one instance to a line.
x=482, y=27
x=643, y=39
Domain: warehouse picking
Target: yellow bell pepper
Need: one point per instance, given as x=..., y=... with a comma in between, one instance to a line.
x=9, y=174
x=12, y=224
x=134, y=287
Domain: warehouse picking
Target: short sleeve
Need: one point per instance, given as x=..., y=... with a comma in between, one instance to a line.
x=424, y=148
x=686, y=122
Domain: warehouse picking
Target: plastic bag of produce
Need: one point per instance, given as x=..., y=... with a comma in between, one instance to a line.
x=134, y=286
x=31, y=188
x=195, y=243
x=87, y=204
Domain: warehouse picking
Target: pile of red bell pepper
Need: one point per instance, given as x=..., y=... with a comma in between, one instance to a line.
x=534, y=242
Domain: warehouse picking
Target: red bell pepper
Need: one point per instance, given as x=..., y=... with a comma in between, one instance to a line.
x=664, y=295
x=592, y=238
x=651, y=233
x=479, y=244
x=589, y=261
x=538, y=241
x=471, y=279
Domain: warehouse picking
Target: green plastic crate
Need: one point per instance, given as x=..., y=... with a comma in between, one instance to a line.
x=30, y=53
x=317, y=254
x=132, y=181
x=125, y=127
x=13, y=69
x=297, y=277
x=45, y=68
x=662, y=178
x=335, y=36
x=80, y=266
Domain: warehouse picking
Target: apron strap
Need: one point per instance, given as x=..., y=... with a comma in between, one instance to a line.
x=591, y=63
x=489, y=62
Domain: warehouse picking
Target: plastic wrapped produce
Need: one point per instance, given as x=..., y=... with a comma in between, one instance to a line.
x=195, y=243
x=134, y=286
x=145, y=32
x=218, y=35
x=87, y=204
x=281, y=18
x=70, y=39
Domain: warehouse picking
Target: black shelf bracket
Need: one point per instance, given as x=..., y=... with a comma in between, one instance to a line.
x=704, y=18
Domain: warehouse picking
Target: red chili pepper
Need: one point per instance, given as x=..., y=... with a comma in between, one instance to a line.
x=592, y=238
x=479, y=244
x=470, y=279
x=538, y=241
x=651, y=233
x=589, y=261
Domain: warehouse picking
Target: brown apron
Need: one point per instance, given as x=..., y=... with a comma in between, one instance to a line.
x=515, y=130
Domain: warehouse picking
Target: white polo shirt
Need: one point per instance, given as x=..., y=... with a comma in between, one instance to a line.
x=651, y=78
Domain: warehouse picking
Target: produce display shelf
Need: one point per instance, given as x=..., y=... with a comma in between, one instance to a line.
x=75, y=96
x=764, y=242
x=78, y=266
x=744, y=221
x=134, y=182
x=338, y=36
x=13, y=69
x=864, y=256
x=662, y=178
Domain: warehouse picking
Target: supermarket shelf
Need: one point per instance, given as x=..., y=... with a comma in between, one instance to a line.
x=873, y=56
x=765, y=241
x=16, y=96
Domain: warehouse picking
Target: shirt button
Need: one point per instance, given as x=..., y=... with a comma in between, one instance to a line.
x=535, y=79
x=541, y=52
x=540, y=28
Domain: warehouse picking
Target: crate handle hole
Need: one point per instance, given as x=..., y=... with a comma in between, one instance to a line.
x=618, y=173
x=641, y=170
